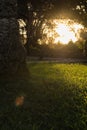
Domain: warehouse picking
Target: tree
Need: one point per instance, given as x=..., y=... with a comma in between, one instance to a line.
x=76, y=9
x=34, y=14
x=12, y=52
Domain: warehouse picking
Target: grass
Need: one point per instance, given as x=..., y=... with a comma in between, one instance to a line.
x=52, y=97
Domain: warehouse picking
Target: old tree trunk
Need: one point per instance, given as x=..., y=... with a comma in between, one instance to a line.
x=12, y=52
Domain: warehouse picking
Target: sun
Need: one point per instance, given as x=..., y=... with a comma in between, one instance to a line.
x=65, y=34
x=62, y=31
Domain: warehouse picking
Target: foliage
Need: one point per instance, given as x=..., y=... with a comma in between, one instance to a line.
x=12, y=53
x=70, y=50
x=55, y=97
x=34, y=13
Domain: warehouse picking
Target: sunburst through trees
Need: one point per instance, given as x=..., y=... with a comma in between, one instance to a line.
x=61, y=31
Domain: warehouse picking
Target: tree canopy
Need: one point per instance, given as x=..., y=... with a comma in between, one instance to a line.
x=75, y=7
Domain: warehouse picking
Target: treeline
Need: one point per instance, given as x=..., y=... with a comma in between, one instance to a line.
x=35, y=13
x=70, y=50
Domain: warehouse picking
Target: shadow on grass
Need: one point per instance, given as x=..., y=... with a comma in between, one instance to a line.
x=35, y=102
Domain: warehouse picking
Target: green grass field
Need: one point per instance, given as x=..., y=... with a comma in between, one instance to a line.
x=52, y=97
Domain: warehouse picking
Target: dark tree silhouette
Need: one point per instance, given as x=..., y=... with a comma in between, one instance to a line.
x=34, y=14
x=12, y=53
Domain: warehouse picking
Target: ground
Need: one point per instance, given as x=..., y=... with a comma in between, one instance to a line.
x=52, y=97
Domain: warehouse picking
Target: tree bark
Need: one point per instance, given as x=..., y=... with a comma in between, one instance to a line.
x=12, y=52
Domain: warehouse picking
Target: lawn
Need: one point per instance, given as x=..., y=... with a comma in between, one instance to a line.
x=52, y=97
